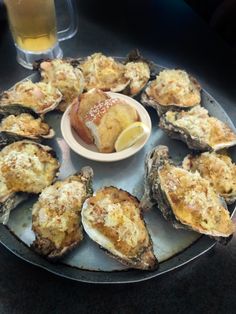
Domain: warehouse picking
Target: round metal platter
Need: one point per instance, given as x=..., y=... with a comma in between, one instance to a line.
x=88, y=263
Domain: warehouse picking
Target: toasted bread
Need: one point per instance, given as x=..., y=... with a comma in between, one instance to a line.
x=107, y=120
x=80, y=107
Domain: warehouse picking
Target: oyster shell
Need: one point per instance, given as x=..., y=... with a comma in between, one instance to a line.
x=185, y=199
x=22, y=125
x=172, y=90
x=65, y=75
x=56, y=217
x=8, y=201
x=25, y=167
x=113, y=219
x=28, y=166
x=218, y=169
x=40, y=97
x=197, y=129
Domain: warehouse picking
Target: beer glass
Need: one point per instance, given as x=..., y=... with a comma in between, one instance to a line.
x=34, y=29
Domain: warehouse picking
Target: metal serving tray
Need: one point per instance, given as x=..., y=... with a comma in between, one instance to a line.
x=88, y=263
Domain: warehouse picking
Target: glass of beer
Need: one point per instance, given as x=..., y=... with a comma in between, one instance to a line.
x=34, y=29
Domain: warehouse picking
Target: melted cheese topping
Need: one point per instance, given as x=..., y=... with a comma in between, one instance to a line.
x=104, y=73
x=119, y=220
x=216, y=168
x=194, y=202
x=56, y=215
x=174, y=87
x=63, y=196
x=38, y=96
x=62, y=75
x=27, y=167
x=138, y=73
x=25, y=125
x=198, y=124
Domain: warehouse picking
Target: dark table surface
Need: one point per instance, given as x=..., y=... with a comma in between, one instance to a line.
x=171, y=34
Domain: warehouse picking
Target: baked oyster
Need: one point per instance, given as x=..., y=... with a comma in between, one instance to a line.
x=218, y=169
x=28, y=166
x=40, y=97
x=185, y=199
x=104, y=73
x=197, y=129
x=113, y=219
x=108, y=74
x=56, y=217
x=172, y=90
x=25, y=167
x=20, y=125
x=65, y=75
x=137, y=69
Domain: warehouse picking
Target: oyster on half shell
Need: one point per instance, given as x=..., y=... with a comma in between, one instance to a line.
x=138, y=70
x=56, y=216
x=109, y=74
x=19, y=123
x=40, y=97
x=172, y=90
x=28, y=166
x=113, y=219
x=25, y=167
x=218, y=169
x=104, y=73
x=197, y=129
x=65, y=75
x=185, y=199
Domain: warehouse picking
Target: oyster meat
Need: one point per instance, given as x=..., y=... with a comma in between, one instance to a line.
x=25, y=167
x=40, y=97
x=197, y=129
x=16, y=127
x=113, y=219
x=172, y=90
x=218, y=169
x=66, y=76
x=185, y=199
x=56, y=216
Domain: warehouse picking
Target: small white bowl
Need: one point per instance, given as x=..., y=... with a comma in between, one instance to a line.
x=91, y=151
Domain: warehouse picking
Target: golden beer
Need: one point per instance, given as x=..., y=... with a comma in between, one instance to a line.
x=32, y=23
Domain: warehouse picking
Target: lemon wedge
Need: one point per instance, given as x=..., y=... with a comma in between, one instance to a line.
x=130, y=135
